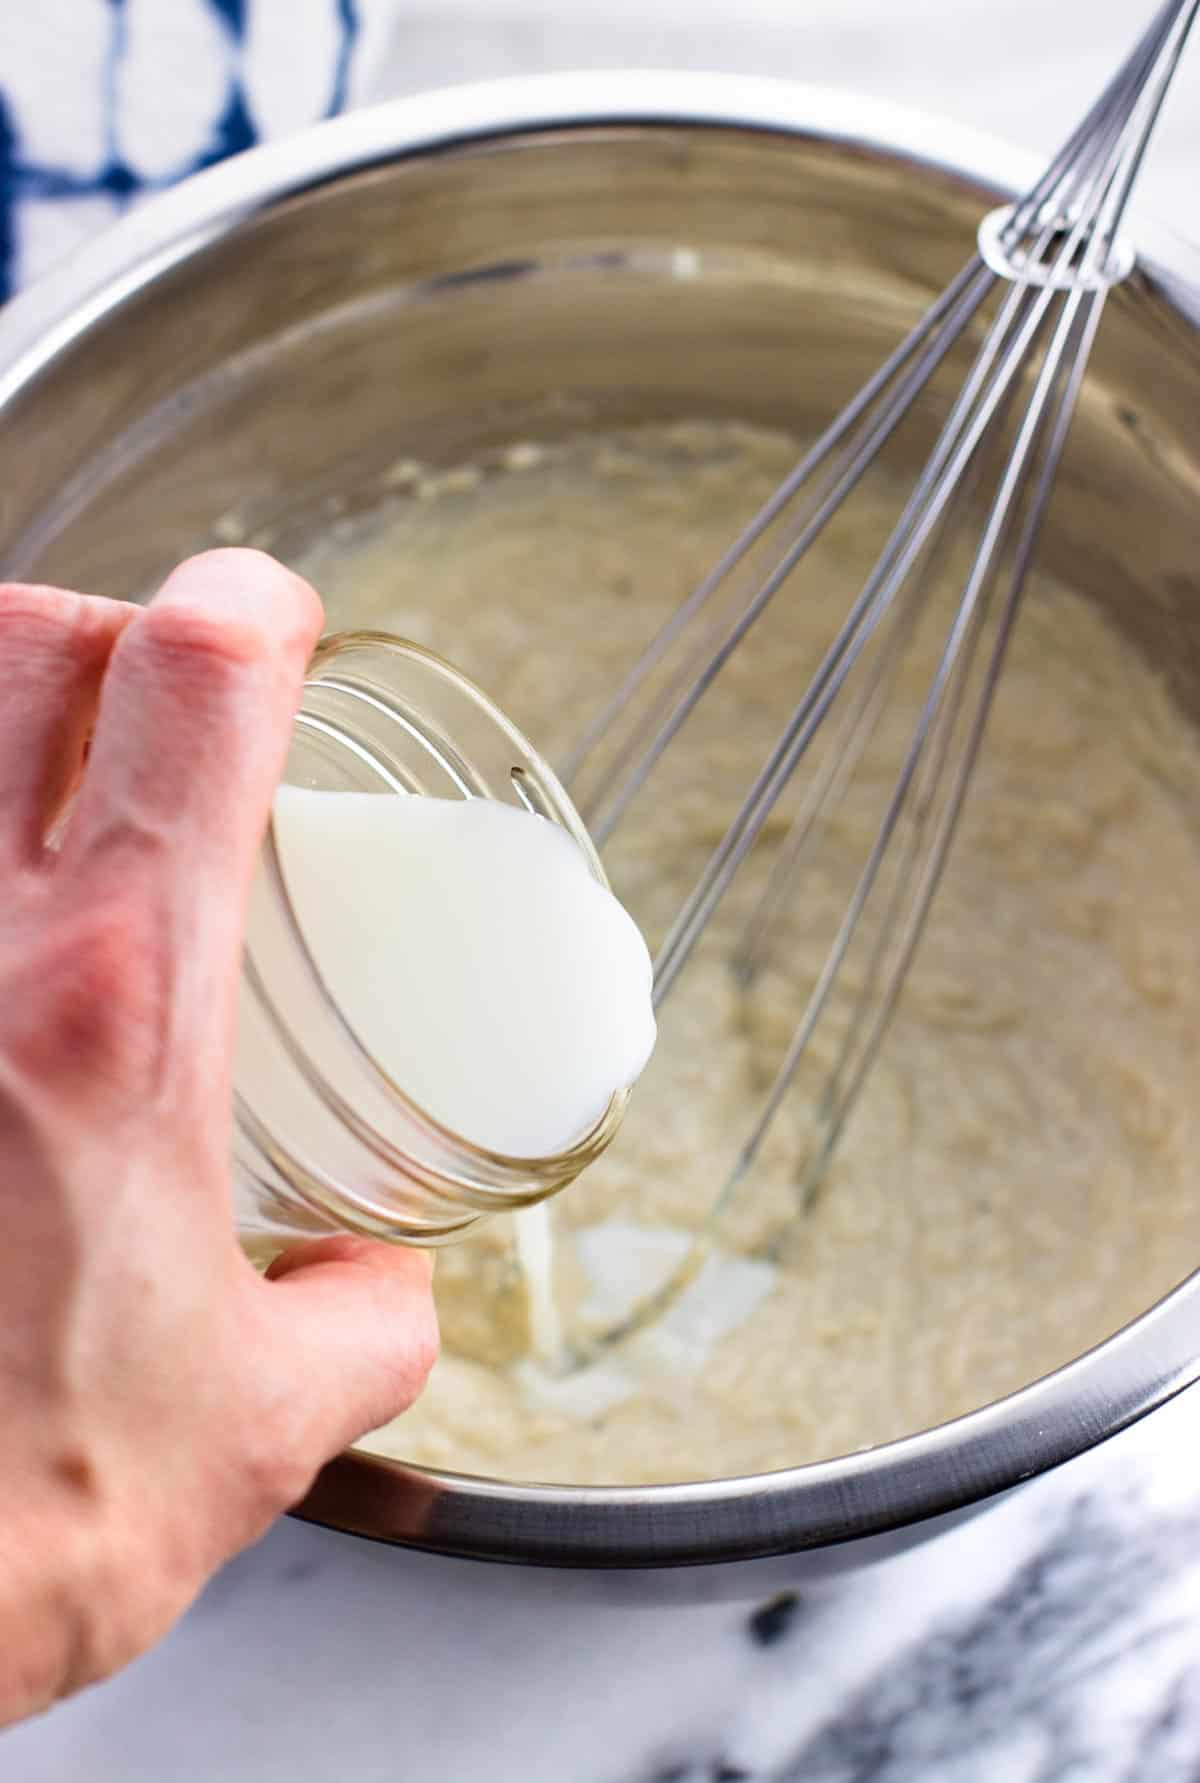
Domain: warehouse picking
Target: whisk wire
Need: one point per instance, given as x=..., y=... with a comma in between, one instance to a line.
x=1049, y=414
x=961, y=436
x=632, y=767
x=1100, y=191
x=839, y=1100
x=1052, y=256
x=947, y=318
x=780, y=499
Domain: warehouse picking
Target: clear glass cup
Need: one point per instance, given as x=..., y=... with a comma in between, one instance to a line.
x=324, y=1139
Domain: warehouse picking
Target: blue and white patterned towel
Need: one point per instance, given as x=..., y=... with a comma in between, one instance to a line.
x=104, y=100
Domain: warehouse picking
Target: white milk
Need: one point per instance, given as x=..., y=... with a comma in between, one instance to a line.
x=500, y=986
x=533, y=1237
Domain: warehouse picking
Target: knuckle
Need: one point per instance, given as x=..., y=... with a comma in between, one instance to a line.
x=196, y=644
x=225, y=616
x=84, y=1002
x=33, y=605
x=274, y=609
x=36, y=620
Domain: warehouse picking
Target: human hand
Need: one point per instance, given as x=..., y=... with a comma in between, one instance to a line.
x=160, y=1403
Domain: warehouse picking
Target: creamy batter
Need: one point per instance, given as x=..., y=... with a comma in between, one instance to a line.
x=1020, y=1177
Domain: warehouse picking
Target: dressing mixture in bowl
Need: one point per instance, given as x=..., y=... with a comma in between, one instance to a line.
x=1014, y=1185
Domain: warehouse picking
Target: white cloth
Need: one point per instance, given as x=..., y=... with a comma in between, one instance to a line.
x=102, y=101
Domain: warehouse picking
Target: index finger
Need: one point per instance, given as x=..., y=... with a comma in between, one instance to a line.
x=195, y=717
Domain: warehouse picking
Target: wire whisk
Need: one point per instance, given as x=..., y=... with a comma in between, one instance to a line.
x=1046, y=265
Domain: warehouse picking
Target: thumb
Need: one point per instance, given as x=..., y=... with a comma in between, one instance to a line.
x=356, y=1331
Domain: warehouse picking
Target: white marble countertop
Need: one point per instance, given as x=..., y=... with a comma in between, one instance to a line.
x=1055, y=1639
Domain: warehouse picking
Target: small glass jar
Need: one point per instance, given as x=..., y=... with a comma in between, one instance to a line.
x=324, y=1140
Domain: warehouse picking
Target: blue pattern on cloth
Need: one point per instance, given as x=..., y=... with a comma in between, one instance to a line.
x=73, y=101
x=8, y=183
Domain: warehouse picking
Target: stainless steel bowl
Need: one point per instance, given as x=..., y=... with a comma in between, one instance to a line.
x=425, y=275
